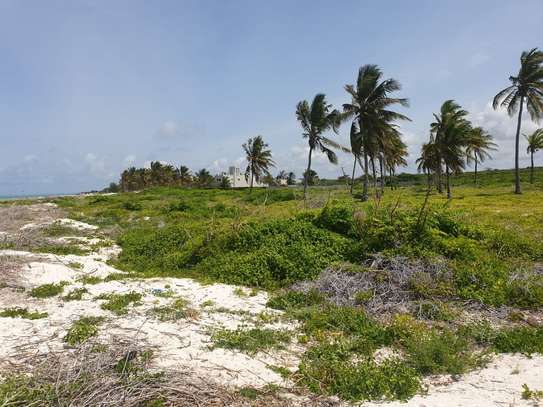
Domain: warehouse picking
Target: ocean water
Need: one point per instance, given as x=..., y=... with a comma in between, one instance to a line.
x=32, y=196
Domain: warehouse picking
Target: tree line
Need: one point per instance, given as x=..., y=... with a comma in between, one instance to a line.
x=375, y=138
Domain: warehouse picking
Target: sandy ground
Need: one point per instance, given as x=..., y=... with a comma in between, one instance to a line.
x=185, y=344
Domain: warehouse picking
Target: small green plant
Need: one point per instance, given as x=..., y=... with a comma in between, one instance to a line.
x=82, y=329
x=529, y=394
x=76, y=294
x=240, y=292
x=295, y=299
x=75, y=265
x=250, y=341
x=22, y=313
x=176, y=310
x=48, y=290
x=207, y=303
x=90, y=280
x=119, y=303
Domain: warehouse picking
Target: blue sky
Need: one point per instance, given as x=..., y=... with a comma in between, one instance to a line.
x=90, y=87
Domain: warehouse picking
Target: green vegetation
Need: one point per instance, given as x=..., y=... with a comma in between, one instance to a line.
x=529, y=394
x=76, y=294
x=480, y=246
x=176, y=310
x=48, y=290
x=82, y=329
x=119, y=303
x=251, y=341
x=18, y=312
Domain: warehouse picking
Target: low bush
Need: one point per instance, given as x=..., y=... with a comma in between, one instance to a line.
x=48, y=290
x=119, y=303
x=251, y=341
x=82, y=329
x=24, y=313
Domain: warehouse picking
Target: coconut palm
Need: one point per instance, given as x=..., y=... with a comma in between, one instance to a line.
x=185, y=177
x=369, y=106
x=316, y=120
x=527, y=87
x=450, y=132
x=395, y=152
x=535, y=143
x=428, y=161
x=259, y=159
x=478, y=146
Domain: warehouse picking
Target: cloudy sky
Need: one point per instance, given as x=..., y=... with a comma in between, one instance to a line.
x=89, y=87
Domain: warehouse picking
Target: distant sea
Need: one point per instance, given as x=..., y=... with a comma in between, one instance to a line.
x=32, y=196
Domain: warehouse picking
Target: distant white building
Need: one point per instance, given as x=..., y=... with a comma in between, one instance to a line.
x=237, y=179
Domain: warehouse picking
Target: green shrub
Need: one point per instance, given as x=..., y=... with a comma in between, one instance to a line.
x=82, y=329
x=251, y=341
x=329, y=368
x=337, y=218
x=48, y=290
x=18, y=312
x=76, y=294
x=159, y=250
x=295, y=299
x=131, y=206
x=119, y=303
x=273, y=254
x=525, y=340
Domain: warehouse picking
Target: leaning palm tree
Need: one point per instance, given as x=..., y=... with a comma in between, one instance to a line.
x=535, y=143
x=317, y=119
x=369, y=106
x=428, y=161
x=527, y=87
x=478, y=146
x=259, y=159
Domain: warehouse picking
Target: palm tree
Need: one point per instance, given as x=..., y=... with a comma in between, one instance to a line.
x=184, y=175
x=478, y=146
x=428, y=160
x=450, y=132
x=259, y=159
x=369, y=109
x=535, y=143
x=291, y=178
x=527, y=87
x=316, y=119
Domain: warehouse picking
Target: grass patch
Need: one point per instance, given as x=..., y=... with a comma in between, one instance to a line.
x=76, y=294
x=251, y=341
x=82, y=329
x=176, y=310
x=48, y=290
x=119, y=303
x=18, y=312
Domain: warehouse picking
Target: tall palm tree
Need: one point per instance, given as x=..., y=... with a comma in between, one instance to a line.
x=369, y=108
x=535, y=143
x=317, y=119
x=450, y=132
x=259, y=159
x=527, y=87
x=394, y=155
x=478, y=146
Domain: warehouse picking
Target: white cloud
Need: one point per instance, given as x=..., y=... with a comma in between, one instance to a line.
x=503, y=128
x=168, y=129
x=130, y=159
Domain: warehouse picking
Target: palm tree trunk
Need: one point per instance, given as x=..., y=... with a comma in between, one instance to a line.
x=374, y=174
x=252, y=177
x=391, y=180
x=366, y=179
x=449, y=195
x=517, y=141
x=306, y=176
x=381, y=159
x=532, y=167
x=475, y=171
x=352, y=178
x=429, y=179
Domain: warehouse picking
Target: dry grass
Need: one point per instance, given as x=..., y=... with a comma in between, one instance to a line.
x=96, y=376
x=14, y=216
